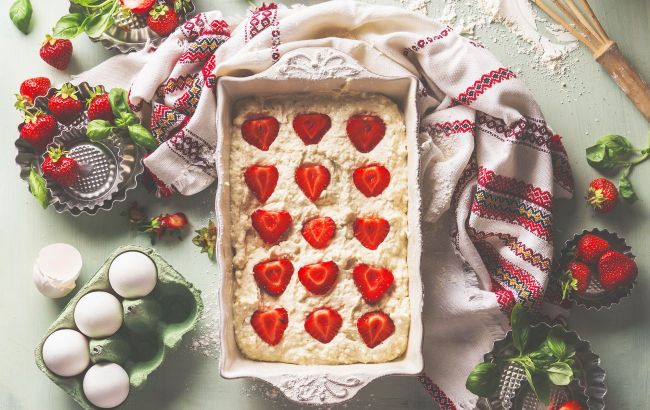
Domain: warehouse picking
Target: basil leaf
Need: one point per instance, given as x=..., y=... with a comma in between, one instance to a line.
x=87, y=3
x=484, y=379
x=37, y=188
x=596, y=155
x=20, y=14
x=540, y=385
x=119, y=98
x=97, y=23
x=125, y=119
x=141, y=136
x=98, y=130
x=520, y=327
x=618, y=147
x=625, y=188
x=560, y=373
x=555, y=344
x=69, y=26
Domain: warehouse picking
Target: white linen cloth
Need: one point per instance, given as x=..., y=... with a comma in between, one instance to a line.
x=492, y=166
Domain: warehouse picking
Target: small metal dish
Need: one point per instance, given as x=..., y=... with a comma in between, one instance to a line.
x=108, y=169
x=131, y=33
x=596, y=297
x=514, y=392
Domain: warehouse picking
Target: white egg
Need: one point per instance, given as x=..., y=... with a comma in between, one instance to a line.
x=98, y=314
x=66, y=352
x=132, y=275
x=106, y=385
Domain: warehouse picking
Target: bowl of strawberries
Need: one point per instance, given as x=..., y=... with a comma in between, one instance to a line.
x=598, y=269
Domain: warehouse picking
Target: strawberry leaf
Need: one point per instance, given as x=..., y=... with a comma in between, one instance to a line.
x=37, y=188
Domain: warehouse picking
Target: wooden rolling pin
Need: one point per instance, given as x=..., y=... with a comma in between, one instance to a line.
x=578, y=18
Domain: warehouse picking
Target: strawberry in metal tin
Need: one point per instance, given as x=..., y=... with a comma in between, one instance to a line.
x=60, y=168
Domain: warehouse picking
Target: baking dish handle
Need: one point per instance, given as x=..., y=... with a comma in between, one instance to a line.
x=319, y=389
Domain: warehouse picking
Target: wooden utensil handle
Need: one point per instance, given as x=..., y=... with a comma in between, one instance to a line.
x=622, y=72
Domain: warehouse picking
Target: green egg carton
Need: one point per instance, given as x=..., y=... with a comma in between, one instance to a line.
x=181, y=309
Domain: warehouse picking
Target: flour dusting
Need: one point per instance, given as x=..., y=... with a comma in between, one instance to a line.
x=206, y=336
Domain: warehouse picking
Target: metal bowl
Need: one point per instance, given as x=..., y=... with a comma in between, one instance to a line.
x=514, y=392
x=131, y=33
x=596, y=297
x=108, y=169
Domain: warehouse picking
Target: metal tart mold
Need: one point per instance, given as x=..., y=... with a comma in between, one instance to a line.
x=596, y=297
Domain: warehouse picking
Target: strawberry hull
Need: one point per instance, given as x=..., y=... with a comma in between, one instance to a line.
x=596, y=297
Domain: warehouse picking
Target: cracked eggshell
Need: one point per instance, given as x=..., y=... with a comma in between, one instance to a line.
x=98, y=314
x=56, y=270
x=133, y=275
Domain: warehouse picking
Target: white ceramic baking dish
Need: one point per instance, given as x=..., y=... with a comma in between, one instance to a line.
x=316, y=70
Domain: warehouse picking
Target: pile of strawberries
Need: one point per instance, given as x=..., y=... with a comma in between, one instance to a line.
x=596, y=260
x=273, y=276
x=64, y=107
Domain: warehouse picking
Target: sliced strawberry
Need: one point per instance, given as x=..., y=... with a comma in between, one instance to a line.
x=319, y=278
x=262, y=180
x=271, y=225
x=375, y=327
x=138, y=6
x=371, y=180
x=173, y=221
x=312, y=180
x=270, y=325
x=319, y=231
x=371, y=231
x=372, y=281
x=365, y=131
x=260, y=132
x=311, y=127
x=273, y=276
x=323, y=324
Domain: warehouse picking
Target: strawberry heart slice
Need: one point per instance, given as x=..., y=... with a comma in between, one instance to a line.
x=273, y=276
x=319, y=231
x=371, y=180
x=323, y=324
x=312, y=180
x=365, y=131
x=372, y=282
x=311, y=127
x=270, y=325
x=260, y=132
x=319, y=278
x=271, y=225
x=262, y=180
x=375, y=327
x=371, y=231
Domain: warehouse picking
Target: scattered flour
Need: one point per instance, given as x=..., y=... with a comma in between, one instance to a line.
x=206, y=336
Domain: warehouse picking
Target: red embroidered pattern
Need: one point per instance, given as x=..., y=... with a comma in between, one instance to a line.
x=510, y=186
x=421, y=43
x=450, y=127
x=518, y=248
x=260, y=19
x=164, y=121
x=175, y=84
x=484, y=83
x=194, y=150
x=505, y=298
x=434, y=391
x=208, y=78
x=533, y=227
x=201, y=49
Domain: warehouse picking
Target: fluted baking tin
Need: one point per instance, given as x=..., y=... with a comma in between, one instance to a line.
x=317, y=70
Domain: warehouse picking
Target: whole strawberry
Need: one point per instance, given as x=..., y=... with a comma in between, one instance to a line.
x=38, y=129
x=34, y=87
x=162, y=19
x=138, y=6
x=99, y=106
x=56, y=52
x=61, y=169
x=65, y=105
x=576, y=278
x=602, y=195
x=590, y=247
x=571, y=405
x=616, y=270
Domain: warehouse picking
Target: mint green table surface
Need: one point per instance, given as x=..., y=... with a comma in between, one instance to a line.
x=190, y=380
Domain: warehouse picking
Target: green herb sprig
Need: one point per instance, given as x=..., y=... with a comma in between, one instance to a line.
x=546, y=359
x=125, y=120
x=95, y=17
x=613, y=153
x=37, y=187
x=20, y=14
